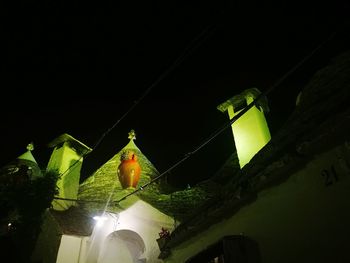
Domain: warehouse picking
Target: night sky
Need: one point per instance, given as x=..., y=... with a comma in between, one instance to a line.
x=78, y=67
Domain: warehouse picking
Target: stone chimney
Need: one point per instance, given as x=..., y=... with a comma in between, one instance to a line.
x=66, y=159
x=250, y=131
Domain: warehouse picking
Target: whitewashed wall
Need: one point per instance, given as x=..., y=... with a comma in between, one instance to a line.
x=140, y=219
x=304, y=219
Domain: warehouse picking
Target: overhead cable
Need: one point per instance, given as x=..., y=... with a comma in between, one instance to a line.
x=195, y=43
x=234, y=119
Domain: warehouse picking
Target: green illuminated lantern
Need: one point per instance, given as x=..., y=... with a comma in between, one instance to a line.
x=250, y=131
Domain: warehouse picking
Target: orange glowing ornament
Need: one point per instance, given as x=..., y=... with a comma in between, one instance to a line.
x=129, y=170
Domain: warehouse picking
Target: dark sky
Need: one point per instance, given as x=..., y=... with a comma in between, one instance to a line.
x=78, y=66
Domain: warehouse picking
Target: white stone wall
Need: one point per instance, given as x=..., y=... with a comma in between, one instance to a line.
x=141, y=219
x=304, y=219
x=69, y=250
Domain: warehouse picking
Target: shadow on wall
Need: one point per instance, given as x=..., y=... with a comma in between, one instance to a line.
x=235, y=248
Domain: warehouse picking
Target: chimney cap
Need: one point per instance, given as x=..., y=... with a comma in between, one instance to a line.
x=81, y=148
x=238, y=99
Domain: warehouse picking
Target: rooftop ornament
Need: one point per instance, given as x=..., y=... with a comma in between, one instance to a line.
x=132, y=135
x=30, y=147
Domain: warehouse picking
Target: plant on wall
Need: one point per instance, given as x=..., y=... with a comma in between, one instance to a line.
x=164, y=235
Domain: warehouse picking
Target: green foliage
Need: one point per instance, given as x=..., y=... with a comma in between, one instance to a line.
x=23, y=202
x=29, y=197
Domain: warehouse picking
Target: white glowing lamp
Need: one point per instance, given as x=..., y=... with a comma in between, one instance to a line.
x=100, y=220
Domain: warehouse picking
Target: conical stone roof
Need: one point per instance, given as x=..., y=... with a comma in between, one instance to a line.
x=101, y=191
x=103, y=184
x=27, y=156
x=25, y=161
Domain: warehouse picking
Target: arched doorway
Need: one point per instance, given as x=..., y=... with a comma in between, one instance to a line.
x=122, y=246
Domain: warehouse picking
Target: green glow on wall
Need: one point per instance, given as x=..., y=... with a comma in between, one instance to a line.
x=66, y=159
x=250, y=131
x=61, y=160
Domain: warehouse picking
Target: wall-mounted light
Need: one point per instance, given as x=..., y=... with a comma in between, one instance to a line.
x=100, y=220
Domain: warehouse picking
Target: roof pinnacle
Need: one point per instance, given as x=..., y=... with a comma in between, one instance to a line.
x=30, y=146
x=132, y=135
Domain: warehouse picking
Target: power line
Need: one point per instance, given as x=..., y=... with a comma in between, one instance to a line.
x=224, y=127
x=234, y=119
x=78, y=200
x=191, y=47
x=195, y=43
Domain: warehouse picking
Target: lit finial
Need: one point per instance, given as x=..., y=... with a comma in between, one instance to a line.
x=132, y=135
x=30, y=147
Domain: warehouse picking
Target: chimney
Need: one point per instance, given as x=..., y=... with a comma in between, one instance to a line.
x=250, y=131
x=66, y=159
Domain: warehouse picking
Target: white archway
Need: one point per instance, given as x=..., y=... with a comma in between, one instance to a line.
x=122, y=246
